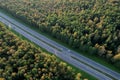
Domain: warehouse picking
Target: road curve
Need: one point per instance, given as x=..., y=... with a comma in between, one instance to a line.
x=40, y=39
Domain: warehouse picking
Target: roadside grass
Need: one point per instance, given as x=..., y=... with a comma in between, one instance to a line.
x=93, y=57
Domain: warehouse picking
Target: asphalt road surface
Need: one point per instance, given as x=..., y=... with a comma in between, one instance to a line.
x=91, y=67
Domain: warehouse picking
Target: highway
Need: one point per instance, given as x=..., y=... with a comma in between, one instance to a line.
x=99, y=71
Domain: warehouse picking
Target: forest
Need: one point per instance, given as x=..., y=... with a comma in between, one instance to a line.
x=92, y=26
x=22, y=60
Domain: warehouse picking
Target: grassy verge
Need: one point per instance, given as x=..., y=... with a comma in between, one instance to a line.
x=95, y=58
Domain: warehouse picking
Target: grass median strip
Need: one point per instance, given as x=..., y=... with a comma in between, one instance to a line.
x=94, y=68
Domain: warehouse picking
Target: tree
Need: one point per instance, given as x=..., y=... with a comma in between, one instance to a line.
x=116, y=58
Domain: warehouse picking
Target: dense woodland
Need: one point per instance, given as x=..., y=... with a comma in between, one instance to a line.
x=20, y=60
x=90, y=25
